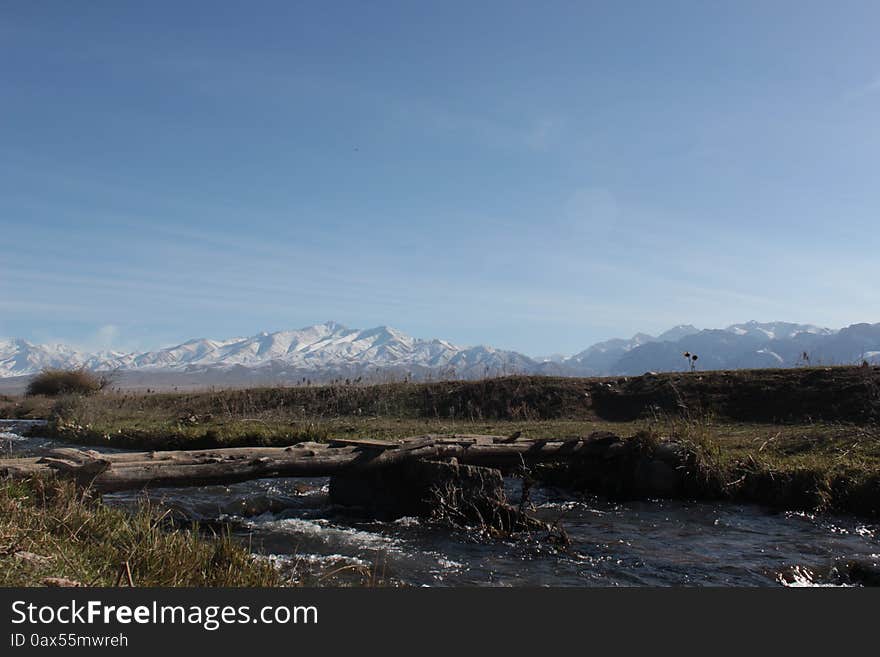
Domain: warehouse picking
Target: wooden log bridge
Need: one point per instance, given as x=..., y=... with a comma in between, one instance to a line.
x=108, y=472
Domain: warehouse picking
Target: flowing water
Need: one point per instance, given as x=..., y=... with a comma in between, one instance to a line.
x=648, y=543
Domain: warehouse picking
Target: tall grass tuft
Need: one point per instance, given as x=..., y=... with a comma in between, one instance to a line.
x=51, y=529
x=707, y=468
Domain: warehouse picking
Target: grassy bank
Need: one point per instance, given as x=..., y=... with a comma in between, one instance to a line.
x=49, y=530
x=821, y=467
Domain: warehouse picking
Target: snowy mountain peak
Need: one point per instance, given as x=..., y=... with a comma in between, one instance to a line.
x=322, y=348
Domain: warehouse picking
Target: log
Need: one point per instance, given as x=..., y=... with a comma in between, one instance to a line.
x=84, y=470
x=133, y=470
x=20, y=468
x=205, y=471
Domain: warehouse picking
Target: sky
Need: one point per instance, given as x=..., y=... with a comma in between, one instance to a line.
x=536, y=176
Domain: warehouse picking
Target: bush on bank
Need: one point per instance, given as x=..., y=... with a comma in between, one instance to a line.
x=53, y=383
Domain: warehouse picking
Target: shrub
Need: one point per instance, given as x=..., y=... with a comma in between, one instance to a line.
x=53, y=383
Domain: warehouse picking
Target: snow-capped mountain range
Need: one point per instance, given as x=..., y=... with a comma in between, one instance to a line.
x=324, y=350
x=330, y=350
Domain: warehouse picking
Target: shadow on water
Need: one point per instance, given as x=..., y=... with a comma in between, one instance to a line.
x=647, y=543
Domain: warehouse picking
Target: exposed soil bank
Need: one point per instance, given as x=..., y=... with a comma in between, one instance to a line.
x=646, y=466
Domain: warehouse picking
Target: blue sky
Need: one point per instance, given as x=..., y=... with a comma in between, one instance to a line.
x=536, y=176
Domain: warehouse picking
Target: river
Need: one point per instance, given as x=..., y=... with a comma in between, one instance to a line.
x=646, y=543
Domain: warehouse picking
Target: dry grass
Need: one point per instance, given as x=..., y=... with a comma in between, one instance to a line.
x=26, y=408
x=51, y=529
x=819, y=467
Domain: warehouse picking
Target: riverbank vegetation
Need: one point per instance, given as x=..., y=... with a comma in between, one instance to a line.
x=53, y=533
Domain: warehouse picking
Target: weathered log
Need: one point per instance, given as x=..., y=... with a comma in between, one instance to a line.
x=83, y=470
x=205, y=471
x=121, y=471
x=23, y=467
